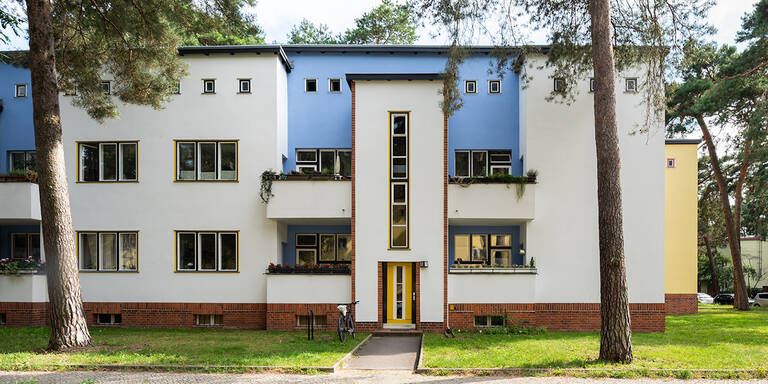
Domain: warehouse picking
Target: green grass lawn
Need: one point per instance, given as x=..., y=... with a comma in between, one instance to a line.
x=22, y=348
x=716, y=338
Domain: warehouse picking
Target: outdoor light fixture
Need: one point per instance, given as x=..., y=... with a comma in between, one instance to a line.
x=522, y=249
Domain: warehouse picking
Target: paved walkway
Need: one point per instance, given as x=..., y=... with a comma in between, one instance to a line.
x=364, y=378
x=387, y=353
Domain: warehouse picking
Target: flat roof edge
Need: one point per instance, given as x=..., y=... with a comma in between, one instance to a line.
x=682, y=141
x=392, y=76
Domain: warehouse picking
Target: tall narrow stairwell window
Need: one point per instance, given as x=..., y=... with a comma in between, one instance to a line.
x=399, y=126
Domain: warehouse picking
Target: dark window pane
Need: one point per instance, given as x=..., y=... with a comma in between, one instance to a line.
x=228, y=154
x=19, y=250
x=187, y=257
x=31, y=161
x=479, y=166
x=306, y=240
x=501, y=257
x=305, y=256
x=399, y=193
x=207, y=251
x=228, y=251
x=109, y=161
x=399, y=214
x=398, y=125
x=344, y=247
x=327, y=248
x=462, y=164
x=399, y=146
x=327, y=162
x=310, y=85
x=34, y=246
x=128, y=156
x=17, y=161
x=306, y=156
x=207, y=161
x=399, y=168
x=345, y=163
x=497, y=321
x=88, y=250
x=186, y=154
x=89, y=162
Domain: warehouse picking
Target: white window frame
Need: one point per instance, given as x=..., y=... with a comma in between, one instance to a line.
x=178, y=88
x=407, y=214
x=469, y=163
x=319, y=248
x=330, y=87
x=120, y=160
x=220, y=253
x=117, y=251
x=200, y=251
x=391, y=142
x=306, y=249
x=240, y=83
x=219, y=162
x=205, y=86
x=306, y=83
x=490, y=86
x=108, y=89
x=466, y=86
x=560, y=88
x=507, y=157
x=472, y=163
x=27, y=236
x=507, y=167
x=627, y=82
x=320, y=160
x=101, y=161
x=118, y=244
x=198, y=160
x=179, y=265
x=296, y=240
x=211, y=320
x=300, y=167
x=17, y=88
x=308, y=151
x=27, y=159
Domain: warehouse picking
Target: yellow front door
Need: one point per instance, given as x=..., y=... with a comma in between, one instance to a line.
x=399, y=293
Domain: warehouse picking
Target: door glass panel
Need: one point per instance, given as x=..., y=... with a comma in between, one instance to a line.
x=108, y=249
x=328, y=162
x=479, y=166
x=501, y=257
x=344, y=248
x=461, y=248
x=228, y=160
x=186, y=160
x=399, y=292
x=128, y=161
x=207, y=161
x=207, y=251
x=88, y=251
x=19, y=246
x=462, y=164
x=128, y=251
x=228, y=251
x=327, y=248
x=89, y=162
x=187, y=253
x=479, y=248
x=109, y=161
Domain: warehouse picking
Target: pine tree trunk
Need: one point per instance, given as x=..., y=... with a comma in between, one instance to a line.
x=713, y=273
x=68, y=326
x=615, y=330
x=740, y=299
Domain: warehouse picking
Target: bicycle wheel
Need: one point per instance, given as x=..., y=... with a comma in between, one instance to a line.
x=351, y=326
x=341, y=329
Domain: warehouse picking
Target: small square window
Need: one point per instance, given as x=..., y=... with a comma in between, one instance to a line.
x=494, y=86
x=670, y=163
x=631, y=85
x=334, y=85
x=177, y=88
x=470, y=86
x=106, y=86
x=245, y=85
x=310, y=85
x=559, y=84
x=21, y=90
x=209, y=86
x=591, y=84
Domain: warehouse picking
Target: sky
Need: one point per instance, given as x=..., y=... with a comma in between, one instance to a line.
x=278, y=16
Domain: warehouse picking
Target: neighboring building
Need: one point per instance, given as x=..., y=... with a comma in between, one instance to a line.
x=680, y=223
x=172, y=232
x=754, y=253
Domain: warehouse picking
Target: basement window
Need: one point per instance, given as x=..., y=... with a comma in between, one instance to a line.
x=209, y=320
x=489, y=321
x=302, y=320
x=109, y=318
x=2, y=319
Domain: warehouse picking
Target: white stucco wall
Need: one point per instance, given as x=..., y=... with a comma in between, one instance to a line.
x=156, y=205
x=563, y=237
x=373, y=101
x=468, y=288
x=20, y=201
x=483, y=204
x=309, y=289
x=309, y=201
x=23, y=288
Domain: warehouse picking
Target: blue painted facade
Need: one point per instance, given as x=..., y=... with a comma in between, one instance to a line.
x=17, y=131
x=5, y=236
x=324, y=119
x=289, y=247
x=513, y=230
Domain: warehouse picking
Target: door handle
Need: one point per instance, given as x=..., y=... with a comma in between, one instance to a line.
x=414, y=296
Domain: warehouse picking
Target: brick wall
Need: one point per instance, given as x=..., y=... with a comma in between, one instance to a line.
x=681, y=303
x=283, y=316
x=25, y=314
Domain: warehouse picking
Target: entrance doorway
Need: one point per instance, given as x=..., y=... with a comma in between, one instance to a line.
x=399, y=296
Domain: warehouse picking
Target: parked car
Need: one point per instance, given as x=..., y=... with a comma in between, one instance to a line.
x=761, y=299
x=705, y=299
x=727, y=298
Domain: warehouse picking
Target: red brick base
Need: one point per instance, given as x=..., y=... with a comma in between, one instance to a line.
x=25, y=314
x=555, y=316
x=681, y=303
x=283, y=316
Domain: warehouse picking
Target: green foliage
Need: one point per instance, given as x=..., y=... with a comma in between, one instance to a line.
x=723, y=269
x=9, y=22
x=388, y=23
x=309, y=33
x=133, y=43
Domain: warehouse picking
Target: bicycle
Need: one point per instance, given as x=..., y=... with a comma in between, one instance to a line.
x=346, y=324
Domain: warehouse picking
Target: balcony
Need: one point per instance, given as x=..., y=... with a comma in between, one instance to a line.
x=20, y=203
x=489, y=202
x=311, y=200
x=308, y=288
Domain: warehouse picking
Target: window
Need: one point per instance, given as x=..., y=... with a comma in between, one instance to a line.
x=494, y=86
x=209, y=86
x=310, y=85
x=3, y=319
x=20, y=90
x=670, y=163
x=244, y=85
x=213, y=160
x=489, y=321
x=109, y=318
x=209, y=320
x=494, y=249
x=470, y=86
x=329, y=161
x=334, y=85
x=108, y=251
x=630, y=84
x=398, y=182
x=106, y=86
x=207, y=251
x=177, y=88
x=559, y=84
x=323, y=248
x=591, y=84
x=482, y=163
x=25, y=246
x=110, y=161
x=22, y=161
x=303, y=320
